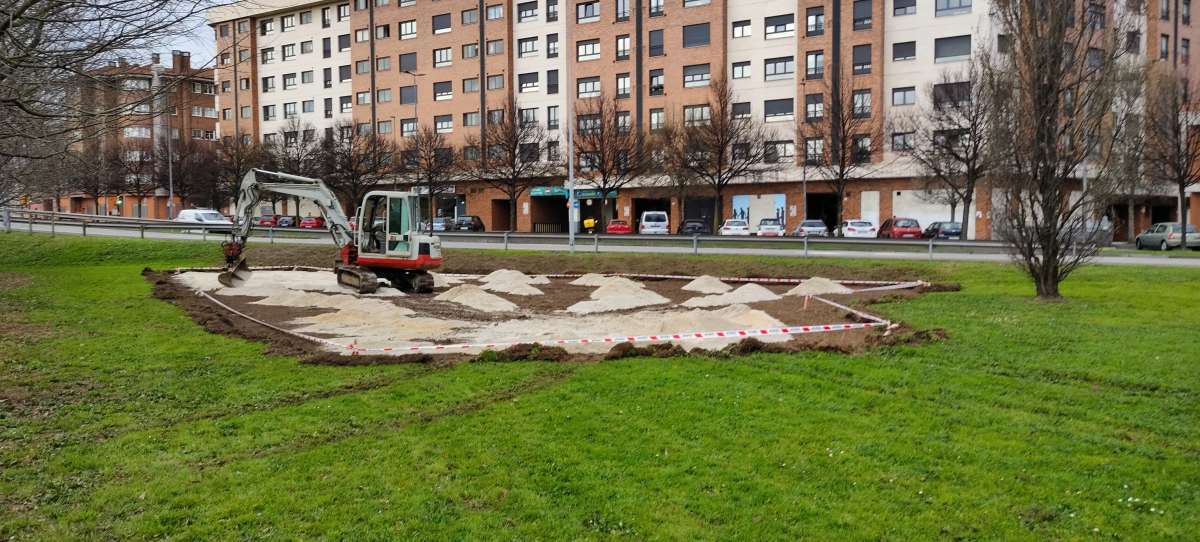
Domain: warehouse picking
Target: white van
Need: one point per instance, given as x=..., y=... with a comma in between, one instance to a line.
x=654, y=223
x=212, y=220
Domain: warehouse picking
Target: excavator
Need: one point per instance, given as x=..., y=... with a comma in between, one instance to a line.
x=385, y=243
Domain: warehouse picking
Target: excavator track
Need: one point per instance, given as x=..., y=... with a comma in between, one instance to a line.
x=420, y=282
x=359, y=278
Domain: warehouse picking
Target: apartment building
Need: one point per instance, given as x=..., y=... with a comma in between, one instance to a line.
x=453, y=64
x=156, y=103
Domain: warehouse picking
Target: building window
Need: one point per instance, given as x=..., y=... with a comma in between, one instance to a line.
x=495, y=47
x=551, y=81
x=902, y=141
x=904, y=96
x=288, y=51
x=362, y=35
x=306, y=17
x=778, y=110
x=587, y=12
x=495, y=82
x=384, y=127
x=952, y=49
x=741, y=110
x=495, y=11
x=343, y=73
x=551, y=45
x=444, y=124
x=741, y=70
x=268, y=112
x=587, y=50
x=622, y=10
x=779, y=26
x=814, y=107
x=383, y=63
x=441, y=23
x=268, y=84
x=657, y=83
x=443, y=90
x=267, y=55
x=905, y=50
x=623, y=47
x=862, y=14
x=695, y=35
x=344, y=42
x=527, y=47
x=345, y=104
x=588, y=87
x=471, y=118
x=408, y=94
x=408, y=30
x=1185, y=50
x=780, y=68
x=470, y=50
x=362, y=66
x=697, y=115
x=814, y=21
x=470, y=84
x=779, y=151
x=657, y=119
x=383, y=95
x=443, y=57
x=266, y=26
x=1164, y=47
x=361, y=98
x=1133, y=42
x=861, y=148
x=741, y=29
x=527, y=116
x=408, y=127
x=955, y=7
x=527, y=11
x=551, y=10
x=814, y=65
x=552, y=117
x=901, y=8
x=528, y=82
x=656, y=8
x=862, y=59
x=696, y=75
x=408, y=62
x=622, y=85
x=656, y=43
x=306, y=47
x=289, y=81
x=862, y=103
x=469, y=16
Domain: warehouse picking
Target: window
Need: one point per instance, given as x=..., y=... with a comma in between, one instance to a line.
x=623, y=47
x=588, y=87
x=814, y=65
x=443, y=90
x=1185, y=50
x=551, y=45
x=384, y=127
x=527, y=47
x=443, y=57
x=469, y=16
x=778, y=110
x=776, y=69
x=345, y=104
x=902, y=141
x=741, y=70
x=224, y=31
x=289, y=81
x=267, y=55
x=741, y=29
x=245, y=111
x=383, y=95
x=408, y=62
x=470, y=84
x=243, y=55
x=268, y=84
x=362, y=35
x=1186, y=11
x=289, y=51
x=343, y=73
x=696, y=75
x=860, y=148
x=657, y=84
x=444, y=124
x=244, y=83
x=552, y=117
x=779, y=26
x=470, y=50
x=741, y=110
x=862, y=103
x=587, y=12
x=408, y=127
x=551, y=10
x=695, y=35
x=657, y=119
x=862, y=14
x=814, y=21
x=495, y=47
x=266, y=27
x=901, y=8
x=361, y=98
x=441, y=23
x=587, y=50
x=243, y=26
x=904, y=96
x=622, y=10
x=362, y=66
x=656, y=43
x=656, y=8
x=383, y=63
x=471, y=118
x=588, y=123
x=494, y=12
x=408, y=95
x=225, y=58
x=528, y=82
x=528, y=116
x=905, y=50
x=551, y=81
x=862, y=59
x=779, y=151
x=622, y=85
x=1133, y=42
x=328, y=102
x=527, y=11
x=326, y=48
x=408, y=30
x=268, y=112
x=696, y=115
x=814, y=107
x=1164, y=47
x=306, y=17
x=306, y=47
x=344, y=42
x=495, y=82
x=953, y=7
x=952, y=49
x=135, y=84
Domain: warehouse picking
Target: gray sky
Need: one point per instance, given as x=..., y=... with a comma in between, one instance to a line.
x=197, y=40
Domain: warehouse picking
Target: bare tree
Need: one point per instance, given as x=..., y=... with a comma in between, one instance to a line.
x=609, y=152
x=950, y=138
x=1064, y=103
x=1172, y=144
x=355, y=163
x=844, y=144
x=719, y=145
x=137, y=165
x=236, y=156
x=195, y=170
x=429, y=162
x=50, y=49
x=296, y=150
x=511, y=155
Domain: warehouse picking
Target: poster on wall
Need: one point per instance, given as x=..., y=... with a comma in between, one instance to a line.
x=753, y=208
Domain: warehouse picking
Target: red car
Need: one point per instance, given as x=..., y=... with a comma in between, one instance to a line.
x=312, y=222
x=618, y=227
x=269, y=221
x=900, y=228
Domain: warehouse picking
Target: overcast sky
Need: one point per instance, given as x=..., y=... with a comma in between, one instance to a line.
x=198, y=40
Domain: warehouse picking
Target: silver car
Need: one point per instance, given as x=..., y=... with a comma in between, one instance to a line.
x=811, y=228
x=1168, y=235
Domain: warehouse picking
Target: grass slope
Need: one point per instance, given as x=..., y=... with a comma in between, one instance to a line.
x=122, y=419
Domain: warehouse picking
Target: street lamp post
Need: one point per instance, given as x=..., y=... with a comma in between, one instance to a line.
x=417, y=118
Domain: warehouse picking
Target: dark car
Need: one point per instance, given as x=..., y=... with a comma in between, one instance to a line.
x=286, y=222
x=468, y=223
x=943, y=230
x=900, y=228
x=694, y=226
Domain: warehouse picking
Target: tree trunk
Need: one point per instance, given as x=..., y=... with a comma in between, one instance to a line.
x=512, y=212
x=1130, y=219
x=1047, y=287
x=718, y=209
x=1183, y=217
x=841, y=206
x=966, y=217
x=603, y=222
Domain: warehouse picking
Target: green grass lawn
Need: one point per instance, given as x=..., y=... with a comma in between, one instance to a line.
x=122, y=419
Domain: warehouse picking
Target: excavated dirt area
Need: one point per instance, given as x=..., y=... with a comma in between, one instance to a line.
x=506, y=307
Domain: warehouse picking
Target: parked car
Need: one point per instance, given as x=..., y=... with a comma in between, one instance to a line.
x=1166, y=236
x=770, y=227
x=468, y=223
x=694, y=226
x=855, y=228
x=654, y=223
x=439, y=224
x=900, y=228
x=735, y=226
x=314, y=222
x=811, y=228
x=269, y=221
x=943, y=230
x=285, y=221
x=618, y=227
x=207, y=218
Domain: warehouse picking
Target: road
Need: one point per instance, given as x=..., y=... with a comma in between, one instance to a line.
x=1147, y=260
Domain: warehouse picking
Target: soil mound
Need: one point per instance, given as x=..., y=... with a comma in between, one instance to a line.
x=707, y=284
x=476, y=298
x=746, y=293
x=818, y=286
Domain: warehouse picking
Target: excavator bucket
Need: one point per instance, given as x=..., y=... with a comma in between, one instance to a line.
x=236, y=275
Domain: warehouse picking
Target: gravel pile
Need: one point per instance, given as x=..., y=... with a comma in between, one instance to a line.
x=476, y=298
x=746, y=293
x=818, y=286
x=707, y=284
